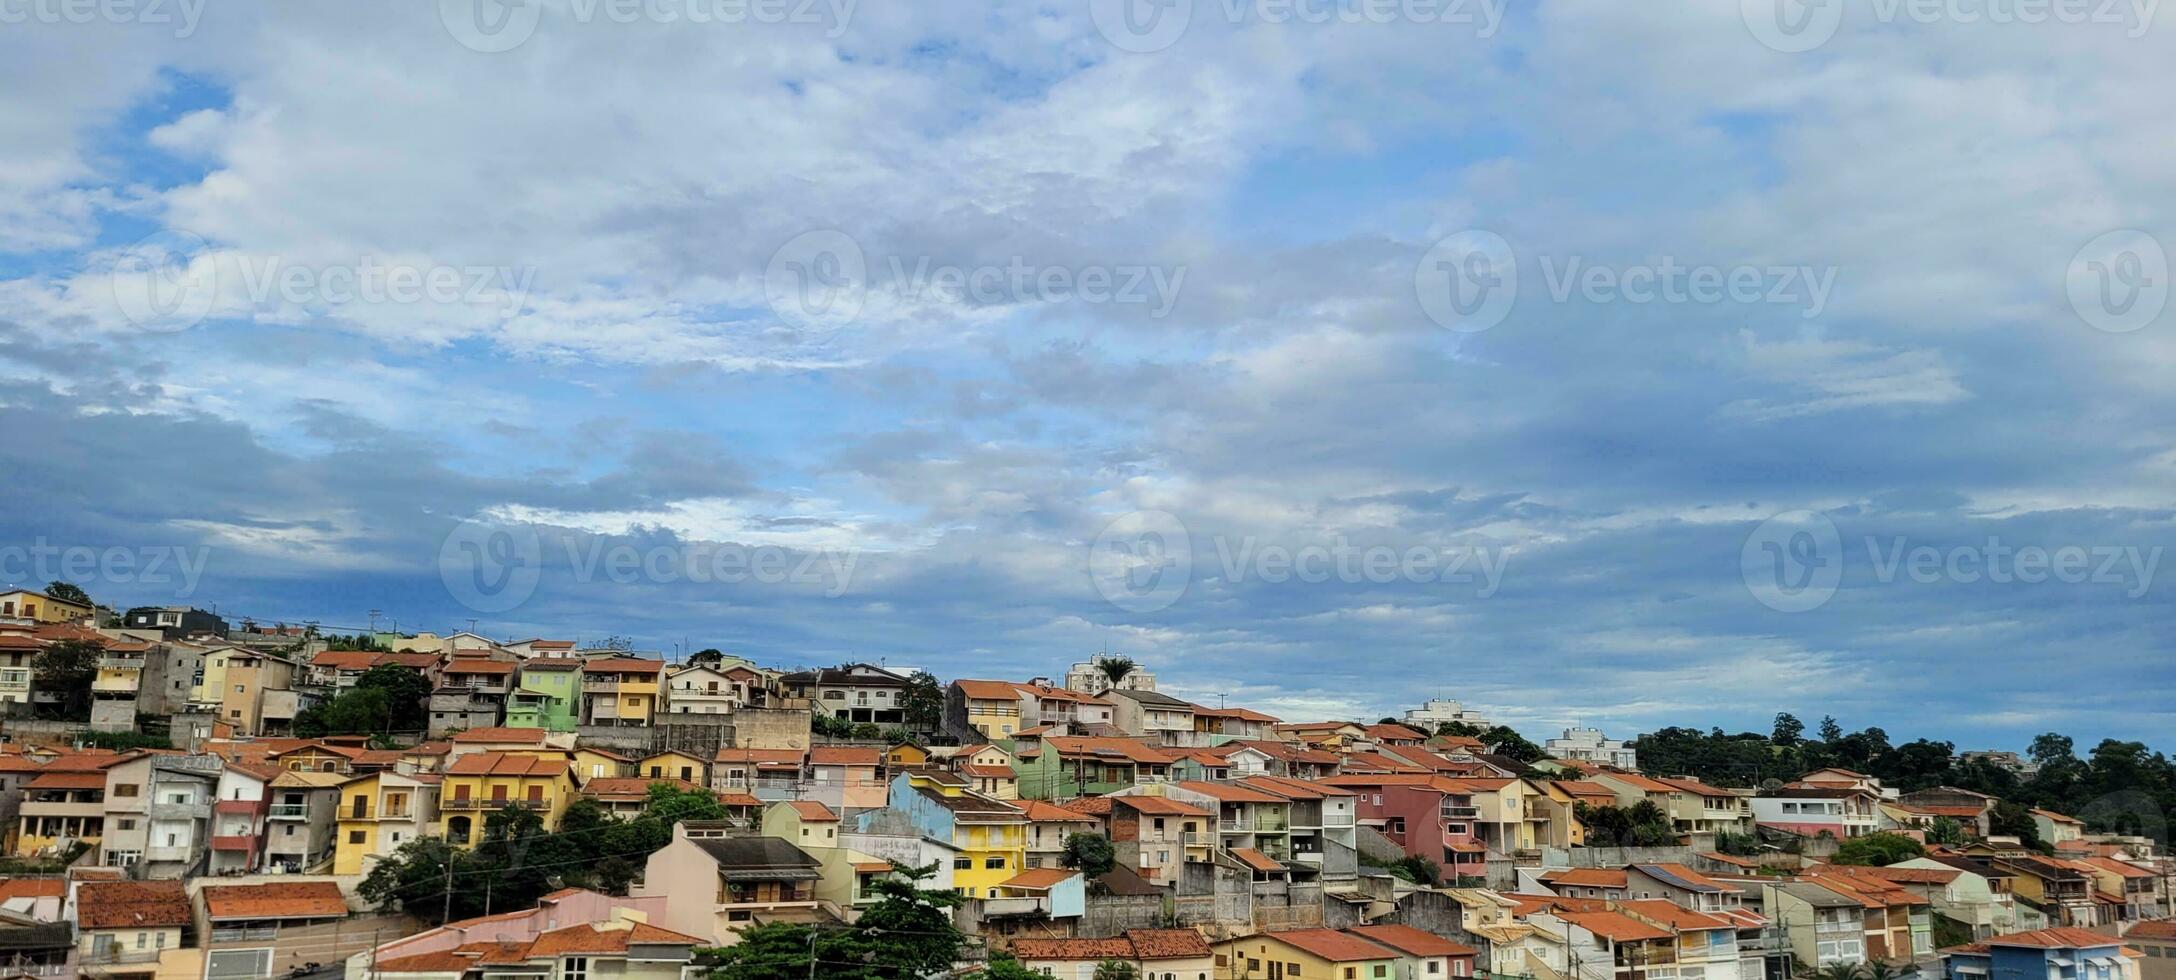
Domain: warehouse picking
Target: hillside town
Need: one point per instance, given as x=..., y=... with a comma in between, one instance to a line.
x=188, y=797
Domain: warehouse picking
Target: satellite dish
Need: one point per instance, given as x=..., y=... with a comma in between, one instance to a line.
x=1771, y=785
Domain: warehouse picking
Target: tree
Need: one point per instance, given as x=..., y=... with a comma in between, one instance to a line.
x=1879, y=850
x=908, y=932
x=1116, y=970
x=1837, y=971
x=2011, y=819
x=407, y=692
x=1789, y=730
x=1091, y=854
x=68, y=592
x=66, y=667
x=1116, y=669
x=866, y=731
x=1512, y=745
x=1003, y=966
x=1417, y=869
x=923, y=702
x=1830, y=730
x=1945, y=830
x=1736, y=844
x=1878, y=970
x=424, y=878
x=355, y=711
x=707, y=657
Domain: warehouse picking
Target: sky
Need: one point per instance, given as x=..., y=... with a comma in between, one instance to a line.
x=1616, y=364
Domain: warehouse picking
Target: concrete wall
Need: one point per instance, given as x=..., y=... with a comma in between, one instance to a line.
x=771, y=728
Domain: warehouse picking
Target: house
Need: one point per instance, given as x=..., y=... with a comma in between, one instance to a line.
x=1588, y=748
x=1566, y=796
x=1159, y=719
x=1154, y=835
x=2055, y=828
x=250, y=691
x=1823, y=928
x=537, y=647
x=855, y=692
x=907, y=755
x=701, y=690
x=2043, y=954
x=1234, y=723
x=989, y=835
x=2141, y=891
x=627, y=796
x=471, y=693
x=498, y=739
x=1680, y=885
x=557, y=910
x=1304, y=953
x=1976, y=894
x=122, y=926
x=675, y=764
x=299, y=820
x=1324, y=823
x=1151, y=952
x=267, y=930
x=1691, y=805
x=846, y=778
x=1897, y=919
x=621, y=948
x=989, y=771
x=1612, y=945
x=1607, y=884
x=2063, y=894
x=37, y=607
x=620, y=691
x=476, y=786
x=768, y=774
x=174, y=622
x=1707, y=944
x=1063, y=767
x=983, y=708
x=380, y=811
x=1421, y=955
x=1048, y=827
x=718, y=885
x=1438, y=712
x=591, y=762
x=159, y=813
x=239, y=806
x=1919, y=809
x=1841, y=812
x=2156, y=940
x=546, y=695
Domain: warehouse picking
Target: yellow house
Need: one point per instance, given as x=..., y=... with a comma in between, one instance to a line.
x=378, y=813
x=1304, y=953
x=205, y=694
x=991, y=707
x=906, y=755
x=1565, y=795
x=990, y=834
x=675, y=764
x=620, y=691
x=39, y=607
x=592, y=763
x=479, y=785
x=802, y=823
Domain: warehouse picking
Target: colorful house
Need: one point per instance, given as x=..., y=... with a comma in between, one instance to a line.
x=380, y=811
x=2042, y=954
x=545, y=695
x=1305, y=953
x=479, y=785
x=620, y=691
x=991, y=835
x=1063, y=767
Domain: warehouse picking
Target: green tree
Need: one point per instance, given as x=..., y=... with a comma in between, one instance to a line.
x=425, y=878
x=1945, y=831
x=2013, y=819
x=68, y=592
x=67, y=667
x=407, y=693
x=1837, y=971
x=707, y=657
x=866, y=731
x=1116, y=669
x=923, y=702
x=1830, y=730
x=1417, y=869
x=1091, y=854
x=1003, y=966
x=1736, y=844
x=1879, y=850
x=1788, y=730
x=1512, y=745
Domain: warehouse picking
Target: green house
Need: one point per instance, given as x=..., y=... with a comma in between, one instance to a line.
x=546, y=695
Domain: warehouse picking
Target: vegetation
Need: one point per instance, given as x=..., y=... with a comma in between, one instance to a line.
x=1737, y=845
x=124, y=741
x=1879, y=850
x=1116, y=669
x=1416, y=869
x=387, y=698
x=923, y=702
x=68, y=666
x=68, y=592
x=360, y=641
x=907, y=933
x=1116, y=970
x=516, y=860
x=1091, y=854
x=1642, y=824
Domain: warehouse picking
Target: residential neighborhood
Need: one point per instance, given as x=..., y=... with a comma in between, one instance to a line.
x=266, y=802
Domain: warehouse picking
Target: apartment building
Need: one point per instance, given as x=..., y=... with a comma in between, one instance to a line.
x=471, y=693
x=380, y=811
x=620, y=691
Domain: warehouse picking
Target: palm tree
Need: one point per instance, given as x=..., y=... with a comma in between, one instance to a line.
x=1839, y=971
x=1878, y=970
x=1115, y=669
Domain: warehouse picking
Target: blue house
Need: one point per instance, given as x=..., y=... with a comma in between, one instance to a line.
x=2066, y=953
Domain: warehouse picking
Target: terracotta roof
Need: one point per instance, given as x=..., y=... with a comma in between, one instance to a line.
x=1230, y=793
x=1394, y=730
x=131, y=904
x=32, y=888
x=2122, y=868
x=738, y=799
x=68, y=780
x=496, y=734
x=1135, y=944
x=1123, y=747
x=275, y=900
x=1614, y=926
x=634, y=787
x=827, y=755
x=1729, y=859
x=1043, y=692
x=2065, y=937
x=506, y=764
x=1411, y=941
x=478, y=665
x=1673, y=915
x=1587, y=877
x=622, y=665
x=989, y=690
x=1243, y=714
x=1329, y=944
x=1159, y=806
x=811, y=811
x=1683, y=877
x=1094, y=805
x=1255, y=859
x=2153, y=929
x=987, y=772
x=1167, y=944
x=1038, y=879
x=1041, y=812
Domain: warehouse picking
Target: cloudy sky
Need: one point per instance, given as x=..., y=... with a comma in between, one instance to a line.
x=1627, y=364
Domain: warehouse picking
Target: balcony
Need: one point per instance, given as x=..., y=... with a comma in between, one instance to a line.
x=473, y=803
x=1015, y=906
x=235, y=842
x=1461, y=812
x=1339, y=820
x=600, y=683
x=288, y=811
x=111, y=662
x=242, y=934
x=169, y=854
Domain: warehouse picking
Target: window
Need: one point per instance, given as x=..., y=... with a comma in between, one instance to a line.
x=355, y=836
x=128, y=824
x=124, y=789
x=577, y=968
x=993, y=864
x=963, y=864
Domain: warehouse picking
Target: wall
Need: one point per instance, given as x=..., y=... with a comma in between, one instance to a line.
x=771, y=728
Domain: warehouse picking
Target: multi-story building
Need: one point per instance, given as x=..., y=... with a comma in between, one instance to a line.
x=1042, y=705
x=701, y=690
x=61, y=807
x=37, y=607
x=1088, y=678
x=478, y=785
x=620, y=691
x=380, y=811
x=1061, y=767
x=989, y=835
x=18, y=647
x=1157, y=835
x=1325, y=823
x=1611, y=945
x=241, y=800
x=546, y=695
x=471, y=693
x=1048, y=827
x=159, y=813
x=856, y=692
x=118, y=684
x=1434, y=817
x=2064, y=894
x=1823, y=928
x=2059, y=953
x=983, y=709
x=300, y=821
x=1159, y=718
x=123, y=926
x=1590, y=746
x=1691, y=805
x=175, y=622
x=1438, y=712
x=235, y=688
x=1707, y=944
x=768, y=774
x=722, y=882
x=1812, y=811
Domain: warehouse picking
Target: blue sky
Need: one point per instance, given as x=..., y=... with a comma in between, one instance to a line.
x=649, y=347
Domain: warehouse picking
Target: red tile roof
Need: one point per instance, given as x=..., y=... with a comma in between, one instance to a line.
x=1673, y=915
x=1129, y=749
x=131, y=904
x=1329, y=944
x=811, y=811
x=623, y=665
x=2065, y=937
x=1411, y=941
x=827, y=755
x=1158, y=806
x=1135, y=944
x=1587, y=877
x=507, y=764
x=275, y=900
x=1256, y=859
x=1037, y=879
x=1614, y=926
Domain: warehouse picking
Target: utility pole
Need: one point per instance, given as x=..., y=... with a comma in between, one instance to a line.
x=445, y=913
